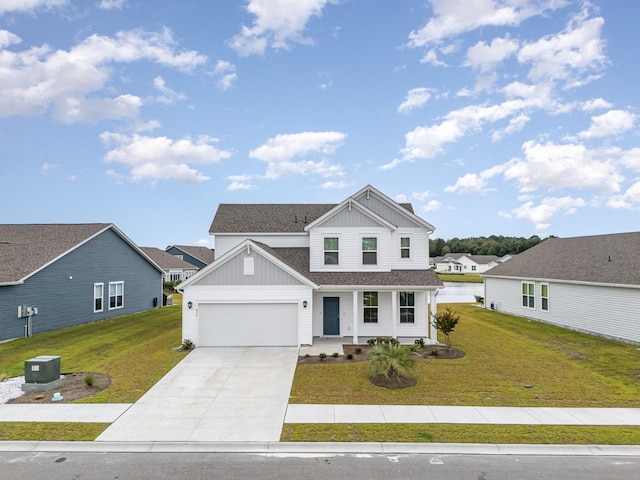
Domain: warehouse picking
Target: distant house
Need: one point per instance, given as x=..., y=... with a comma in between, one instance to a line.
x=54, y=276
x=175, y=269
x=200, y=257
x=286, y=273
x=590, y=284
x=465, y=263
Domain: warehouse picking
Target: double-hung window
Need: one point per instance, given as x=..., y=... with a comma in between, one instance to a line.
x=369, y=251
x=407, y=307
x=370, y=301
x=544, y=296
x=98, y=297
x=116, y=295
x=528, y=295
x=405, y=247
x=331, y=249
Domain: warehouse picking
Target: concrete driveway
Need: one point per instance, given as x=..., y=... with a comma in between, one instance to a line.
x=214, y=394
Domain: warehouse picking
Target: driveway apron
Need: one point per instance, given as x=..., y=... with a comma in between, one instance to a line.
x=214, y=394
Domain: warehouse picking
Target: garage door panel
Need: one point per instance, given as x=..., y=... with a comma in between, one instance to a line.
x=235, y=324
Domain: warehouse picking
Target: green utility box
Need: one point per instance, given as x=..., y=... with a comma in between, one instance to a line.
x=42, y=369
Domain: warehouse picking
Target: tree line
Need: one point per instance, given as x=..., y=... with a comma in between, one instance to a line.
x=493, y=245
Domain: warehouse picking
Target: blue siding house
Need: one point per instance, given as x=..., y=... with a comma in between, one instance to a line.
x=197, y=256
x=71, y=274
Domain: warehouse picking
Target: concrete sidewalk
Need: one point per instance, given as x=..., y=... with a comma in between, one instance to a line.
x=297, y=413
x=63, y=412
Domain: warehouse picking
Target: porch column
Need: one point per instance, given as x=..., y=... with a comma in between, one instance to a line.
x=355, y=317
x=394, y=314
x=433, y=309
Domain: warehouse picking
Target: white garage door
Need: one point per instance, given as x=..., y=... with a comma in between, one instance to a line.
x=235, y=325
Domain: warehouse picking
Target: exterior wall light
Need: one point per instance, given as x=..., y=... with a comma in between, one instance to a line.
x=304, y=303
x=189, y=305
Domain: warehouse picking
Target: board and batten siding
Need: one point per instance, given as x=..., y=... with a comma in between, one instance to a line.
x=224, y=243
x=382, y=208
x=603, y=310
x=63, y=291
x=203, y=294
x=232, y=272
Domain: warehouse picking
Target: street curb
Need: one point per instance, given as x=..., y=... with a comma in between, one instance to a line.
x=321, y=448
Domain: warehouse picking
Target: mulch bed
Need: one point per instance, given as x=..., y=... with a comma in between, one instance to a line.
x=73, y=389
x=426, y=352
x=400, y=382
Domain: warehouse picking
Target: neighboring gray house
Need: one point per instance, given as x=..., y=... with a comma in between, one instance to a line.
x=175, y=269
x=287, y=273
x=71, y=274
x=590, y=284
x=200, y=257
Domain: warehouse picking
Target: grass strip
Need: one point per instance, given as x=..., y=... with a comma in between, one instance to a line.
x=448, y=433
x=51, y=431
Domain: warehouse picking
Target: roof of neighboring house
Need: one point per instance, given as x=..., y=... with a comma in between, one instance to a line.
x=27, y=248
x=479, y=259
x=270, y=217
x=204, y=254
x=166, y=260
x=298, y=259
x=613, y=258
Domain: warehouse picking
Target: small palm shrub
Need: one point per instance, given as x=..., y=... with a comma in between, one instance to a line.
x=391, y=360
x=187, y=344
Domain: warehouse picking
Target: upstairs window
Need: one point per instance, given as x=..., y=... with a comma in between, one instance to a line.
x=98, y=296
x=116, y=295
x=331, y=245
x=407, y=307
x=370, y=301
x=405, y=247
x=369, y=251
x=544, y=297
x=528, y=295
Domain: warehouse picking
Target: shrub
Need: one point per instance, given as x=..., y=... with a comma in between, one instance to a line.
x=372, y=342
x=335, y=354
x=322, y=356
x=434, y=352
x=89, y=379
x=445, y=322
x=419, y=342
x=358, y=350
x=187, y=344
x=349, y=356
x=306, y=355
x=391, y=360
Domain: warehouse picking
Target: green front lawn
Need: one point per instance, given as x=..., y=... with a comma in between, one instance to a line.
x=509, y=362
x=461, y=277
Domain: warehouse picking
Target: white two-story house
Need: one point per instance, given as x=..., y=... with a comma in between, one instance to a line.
x=286, y=273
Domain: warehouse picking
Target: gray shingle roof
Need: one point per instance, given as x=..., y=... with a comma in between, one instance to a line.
x=166, y=260
x=269, y=217
x=25, y=249
x=611, y=259
x=298, y=259
x=204, y=254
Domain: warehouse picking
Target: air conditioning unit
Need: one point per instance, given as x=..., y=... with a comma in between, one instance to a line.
x=42, y=369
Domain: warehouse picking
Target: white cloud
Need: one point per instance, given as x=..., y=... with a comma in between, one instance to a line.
x=453, y=17
x=432, y=205
x=161, y=158
x=332, y=185
x=279, y=153
x=47, y=167
x=596, y=104
x=416, y=98
x=485, y=57
x=39, y=79
x=169, y=96
x=277, y=24
x=422, y=195
x=628, y=200
x=94, y=110
x=29, y=5
x=112, y=4
x=226, y=74
x=576, y=50
x=541, y=214
x=614, y=122
x=241, y=182
x=515, y=125
x=7, y=38
x=473, y=183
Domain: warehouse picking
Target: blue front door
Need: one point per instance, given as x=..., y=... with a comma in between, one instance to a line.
x=331, y=315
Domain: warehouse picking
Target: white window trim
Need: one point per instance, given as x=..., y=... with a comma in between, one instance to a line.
x=376, y=307
x=324, y=251
x=109, y=295
x=363, y=251
x=405, y=248
x=101, y=285
x=542, y=309
x=528, y=296
x=412, y=307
